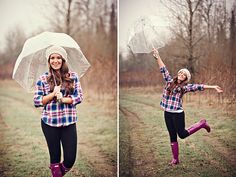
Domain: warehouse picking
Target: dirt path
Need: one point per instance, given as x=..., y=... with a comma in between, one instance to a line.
x=3, y=124
x=142, y=102
x=220, y=148
x=141, y=156
x=100, y=162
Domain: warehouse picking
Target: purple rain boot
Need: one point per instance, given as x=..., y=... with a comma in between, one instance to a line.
x=175, y=153
x=201, y=124
x=56, y=170
x=64, y=170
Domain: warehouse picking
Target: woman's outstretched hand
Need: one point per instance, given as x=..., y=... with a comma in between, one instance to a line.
x=218, y=89
x=155, y=53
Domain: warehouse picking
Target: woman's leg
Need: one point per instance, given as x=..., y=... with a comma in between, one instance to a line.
x=69, y=144
x=199, y=125
x=169, y=117
x=180, y=126
x=173, y=137
x=179, y=122
x=52, y=136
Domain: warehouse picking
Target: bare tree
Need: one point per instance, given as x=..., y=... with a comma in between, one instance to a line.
x=186, y=26
x=233, y=35
x=68, y=17
x=206, y=12
x=14, y=41
x=64, y=16
x=92, y=23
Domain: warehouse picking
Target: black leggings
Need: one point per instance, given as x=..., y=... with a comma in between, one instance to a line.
x=55, y=136
x=175, y=124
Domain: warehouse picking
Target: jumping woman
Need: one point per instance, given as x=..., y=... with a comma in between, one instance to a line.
x=58, y=91
x=171, y=104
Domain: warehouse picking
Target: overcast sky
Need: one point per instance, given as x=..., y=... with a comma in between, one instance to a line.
x=28, y=14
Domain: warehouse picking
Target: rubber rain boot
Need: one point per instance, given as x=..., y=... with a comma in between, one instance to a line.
x=175, y=153
x=56, y=170
x=201, y=124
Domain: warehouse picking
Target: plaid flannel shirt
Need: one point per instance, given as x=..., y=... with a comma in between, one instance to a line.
x=173, y=101
x=58, y=114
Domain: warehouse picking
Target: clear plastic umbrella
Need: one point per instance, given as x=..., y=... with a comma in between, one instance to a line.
x=144, y=35
x=32, y=62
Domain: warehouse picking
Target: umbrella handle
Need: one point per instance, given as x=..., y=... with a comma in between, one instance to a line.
x=54, y=78
x=59, y=101
x=153, y=46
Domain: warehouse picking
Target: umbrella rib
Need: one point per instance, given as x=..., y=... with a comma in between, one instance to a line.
x=144, y=36
x=54, y=78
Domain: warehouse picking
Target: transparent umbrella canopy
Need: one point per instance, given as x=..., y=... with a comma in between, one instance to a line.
x=144, y=35
x=32, y=62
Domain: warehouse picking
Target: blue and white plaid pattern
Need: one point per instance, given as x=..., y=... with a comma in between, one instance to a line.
x=53, y=113
x=173, y=101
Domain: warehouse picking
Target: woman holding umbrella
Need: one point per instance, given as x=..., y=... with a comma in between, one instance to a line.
x=171, y=104
x=58, y=91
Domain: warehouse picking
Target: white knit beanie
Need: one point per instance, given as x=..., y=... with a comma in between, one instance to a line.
x=186, y=71
x=56, y=49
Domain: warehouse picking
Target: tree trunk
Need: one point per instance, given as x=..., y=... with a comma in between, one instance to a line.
x=68, y=17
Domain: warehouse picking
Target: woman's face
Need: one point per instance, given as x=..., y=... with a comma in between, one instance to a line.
x=55, y=61
x=182, y=76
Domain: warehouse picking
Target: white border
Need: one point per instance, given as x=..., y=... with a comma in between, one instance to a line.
x=117, y=107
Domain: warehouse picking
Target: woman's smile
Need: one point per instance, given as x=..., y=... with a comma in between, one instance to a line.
x=181, y=76
x=55, y=61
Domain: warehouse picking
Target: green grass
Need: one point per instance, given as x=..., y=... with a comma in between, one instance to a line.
x=23, y=149
x=201, y=154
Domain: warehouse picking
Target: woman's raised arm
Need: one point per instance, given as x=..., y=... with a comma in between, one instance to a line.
x=158, y=58
x=165, y=73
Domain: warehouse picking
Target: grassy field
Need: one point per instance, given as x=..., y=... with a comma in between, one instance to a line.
x=144, y=141
x=23, y=149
